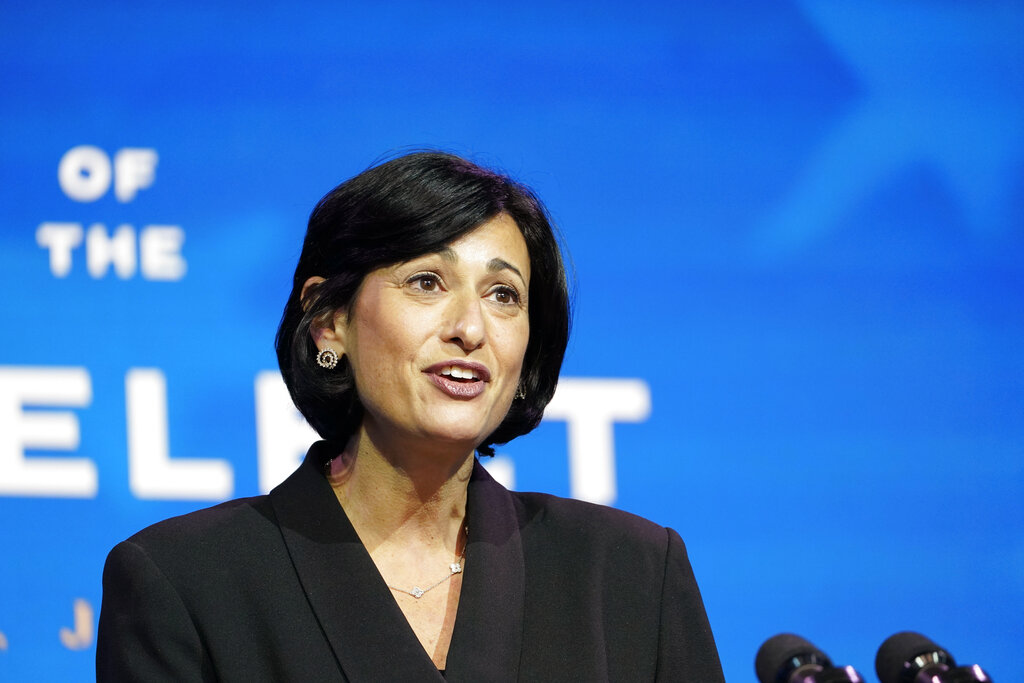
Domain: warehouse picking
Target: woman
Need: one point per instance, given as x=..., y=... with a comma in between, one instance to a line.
x=427, y=321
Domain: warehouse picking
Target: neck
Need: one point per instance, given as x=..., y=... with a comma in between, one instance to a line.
x=411, y=499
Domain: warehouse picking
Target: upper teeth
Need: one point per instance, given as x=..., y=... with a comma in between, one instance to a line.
x=458, y=373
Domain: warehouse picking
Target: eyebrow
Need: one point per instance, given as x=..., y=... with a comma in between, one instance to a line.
x=493, y=266
x=496, y=264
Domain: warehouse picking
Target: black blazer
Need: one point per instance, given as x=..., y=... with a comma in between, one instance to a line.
x=279, y=588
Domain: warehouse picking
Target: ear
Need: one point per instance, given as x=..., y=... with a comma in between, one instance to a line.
x=327, y=330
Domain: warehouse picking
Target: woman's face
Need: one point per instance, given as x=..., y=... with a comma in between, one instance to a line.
x=437, y=343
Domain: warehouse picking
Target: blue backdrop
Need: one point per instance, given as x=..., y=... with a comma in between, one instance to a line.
x=797, y=237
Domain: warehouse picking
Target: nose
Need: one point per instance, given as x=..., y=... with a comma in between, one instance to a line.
x=464, y=324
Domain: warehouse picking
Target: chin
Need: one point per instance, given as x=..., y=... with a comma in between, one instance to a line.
x=459, y=432
x=465, y=439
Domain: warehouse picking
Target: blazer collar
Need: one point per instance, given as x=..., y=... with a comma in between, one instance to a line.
x=366, y=629
x=488, y=635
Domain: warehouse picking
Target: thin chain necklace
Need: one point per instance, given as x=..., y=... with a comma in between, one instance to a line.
x=453, y=568
x=417, y=592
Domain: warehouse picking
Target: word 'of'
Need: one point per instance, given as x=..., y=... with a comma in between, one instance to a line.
x=85, y=172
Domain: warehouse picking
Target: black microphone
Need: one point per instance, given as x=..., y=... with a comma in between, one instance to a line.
x=909, y=657
x=788, y=658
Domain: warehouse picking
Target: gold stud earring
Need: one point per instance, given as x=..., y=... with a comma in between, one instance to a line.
x=327, y=358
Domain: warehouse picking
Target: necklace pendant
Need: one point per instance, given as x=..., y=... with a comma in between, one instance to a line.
x=455, y=567
x=417, y=592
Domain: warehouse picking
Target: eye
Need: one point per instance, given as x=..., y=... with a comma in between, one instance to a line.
x=425, y=282
x=503, y=294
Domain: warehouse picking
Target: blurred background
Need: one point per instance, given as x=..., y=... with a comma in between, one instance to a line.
x=797, y=230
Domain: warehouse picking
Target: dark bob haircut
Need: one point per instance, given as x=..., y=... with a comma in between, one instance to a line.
x=399, y=210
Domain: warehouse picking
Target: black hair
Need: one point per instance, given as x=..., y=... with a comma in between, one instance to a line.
x=393, y=212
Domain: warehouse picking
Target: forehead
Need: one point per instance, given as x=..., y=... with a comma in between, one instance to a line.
x=496, y=244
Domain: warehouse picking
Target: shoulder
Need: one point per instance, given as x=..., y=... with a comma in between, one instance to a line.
x=227, y=518
x=582, y=516
x=215, y=559
x=209, y=537
x=588, y=527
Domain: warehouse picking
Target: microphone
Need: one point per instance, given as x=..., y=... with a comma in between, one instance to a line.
x=909, y=657
x=788, y=658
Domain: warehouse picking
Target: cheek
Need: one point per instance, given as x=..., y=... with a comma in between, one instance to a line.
x=513, y=345
x=370, y=341
x=386, y=345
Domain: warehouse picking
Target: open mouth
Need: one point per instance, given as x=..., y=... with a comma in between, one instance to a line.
x=459, y=374
x=460, y=380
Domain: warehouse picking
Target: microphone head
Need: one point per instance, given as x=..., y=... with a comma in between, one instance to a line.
x=904, y=654
x=782, y=654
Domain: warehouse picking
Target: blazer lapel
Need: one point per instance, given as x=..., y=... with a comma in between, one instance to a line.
x=488, y=635
x=367, y=631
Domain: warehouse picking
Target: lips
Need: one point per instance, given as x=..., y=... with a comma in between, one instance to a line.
x=459, y=379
